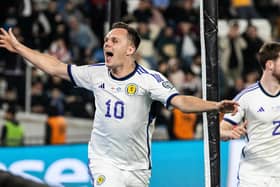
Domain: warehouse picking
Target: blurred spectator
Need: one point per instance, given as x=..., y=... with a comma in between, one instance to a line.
x=275, y=2
x=141, y=61
x=12, y=131
x=56, y=98
x=143, y=13
x=268, y=9
x=157, y=18
x=55, y=127
x=82, y=39
x=192, y=84
x=56, y=22
x=70, y=10
x=59, y=49
x=244, y=9
x=79, y=103
x=182, y=125
x=5, y=10
x=62, y=32
x=59, y=83
x=180, y=11
x=97, y=10
x=146, y=12
x=98, y=56
x=39, y=99
x=25, y=20
x=10, y=97
x=254, y=42
x=231, y=51
x=11, y=19
x=38, y=75
x=224, y=9
x=163, y=67
x=251, y=77
x=188, y=47
x=14, y=71
x=166, y=44
x=148, y=33
x=232, y=91
x=276, y=30
x=175, y=73
x=195, y=67
x=163, y=116
x=41, y=28
x=161, y=4
x=3, y=87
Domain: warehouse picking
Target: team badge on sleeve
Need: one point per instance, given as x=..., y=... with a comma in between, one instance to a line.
x=131, y=89
x=167, y=84
x=100, y=179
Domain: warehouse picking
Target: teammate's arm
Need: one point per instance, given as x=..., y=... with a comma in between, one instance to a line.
x=228, y=131
x=194, y=104
x=44, y=62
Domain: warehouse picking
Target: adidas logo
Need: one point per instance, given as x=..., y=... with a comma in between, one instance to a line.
x=261, y=109
x=101, y=86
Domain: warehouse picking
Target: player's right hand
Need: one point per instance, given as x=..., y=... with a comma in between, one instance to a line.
x=8, y=40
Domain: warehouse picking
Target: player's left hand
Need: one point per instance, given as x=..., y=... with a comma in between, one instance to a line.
x=239, y=130
x=228, y=106
x=235, y=132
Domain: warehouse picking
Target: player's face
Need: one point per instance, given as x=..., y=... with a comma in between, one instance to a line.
x=276, y=69
x=117, y=47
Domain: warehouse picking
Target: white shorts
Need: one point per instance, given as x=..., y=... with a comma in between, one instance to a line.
x=107, y=175
x=259, y=181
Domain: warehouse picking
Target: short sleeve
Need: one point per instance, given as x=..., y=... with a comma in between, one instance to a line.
x=239, y=116
x=80, y=76
x=161, y=89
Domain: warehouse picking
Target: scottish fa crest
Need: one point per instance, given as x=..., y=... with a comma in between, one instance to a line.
x=100, y=179
x=131, y=89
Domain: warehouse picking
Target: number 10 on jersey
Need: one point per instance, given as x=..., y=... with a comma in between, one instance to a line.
x=114, y=109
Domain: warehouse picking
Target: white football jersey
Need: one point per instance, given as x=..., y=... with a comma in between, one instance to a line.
x=122, y=128
x=261, y=153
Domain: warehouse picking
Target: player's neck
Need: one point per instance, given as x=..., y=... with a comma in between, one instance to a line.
x=123, y=70
x=270, y=84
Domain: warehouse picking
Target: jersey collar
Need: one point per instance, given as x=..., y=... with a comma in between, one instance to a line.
x=265, y=92
x=127, y=76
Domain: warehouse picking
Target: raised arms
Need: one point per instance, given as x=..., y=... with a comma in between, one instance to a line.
x=44, y=62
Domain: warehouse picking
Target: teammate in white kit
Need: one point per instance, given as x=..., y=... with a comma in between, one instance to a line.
x=120, y=147
x=260, y=107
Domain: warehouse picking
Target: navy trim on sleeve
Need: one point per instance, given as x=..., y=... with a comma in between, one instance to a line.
x=70, y=74
x=169, y=99
x=230, y=121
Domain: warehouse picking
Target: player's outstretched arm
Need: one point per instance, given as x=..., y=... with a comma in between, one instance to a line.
x=228, y=132
x=44, y=62
x=195, y=104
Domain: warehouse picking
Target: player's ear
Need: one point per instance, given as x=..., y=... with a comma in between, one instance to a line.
x=130, y=50
x=269, y=64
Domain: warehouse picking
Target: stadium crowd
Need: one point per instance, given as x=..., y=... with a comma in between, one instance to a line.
x=73, y=32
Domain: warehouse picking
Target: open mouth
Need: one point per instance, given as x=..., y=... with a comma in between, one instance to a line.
x=109, y=54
